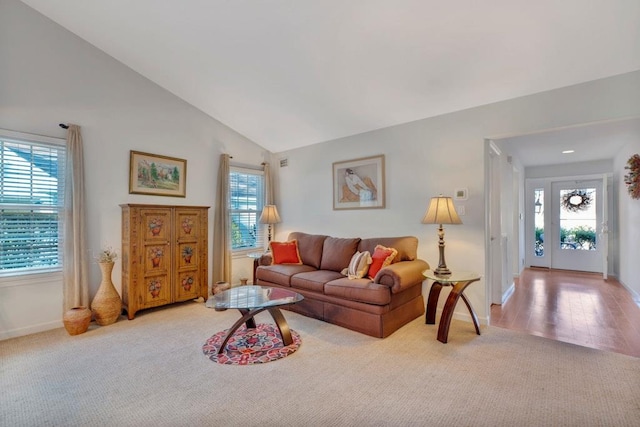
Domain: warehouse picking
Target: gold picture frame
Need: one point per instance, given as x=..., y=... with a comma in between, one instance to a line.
x=359, y=183
x=157, y=175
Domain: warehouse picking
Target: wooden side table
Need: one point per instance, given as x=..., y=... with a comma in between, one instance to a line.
x=459, y=280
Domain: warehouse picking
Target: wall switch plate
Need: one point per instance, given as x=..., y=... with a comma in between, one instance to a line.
x=461, y=210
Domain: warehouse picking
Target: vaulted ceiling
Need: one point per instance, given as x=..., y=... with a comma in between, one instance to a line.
x=289, y=73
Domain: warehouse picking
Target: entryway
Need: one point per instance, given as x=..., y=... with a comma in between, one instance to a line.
x=566, y=226
x=574, y=307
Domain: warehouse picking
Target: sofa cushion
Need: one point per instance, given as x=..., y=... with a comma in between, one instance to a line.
x=309, y=247
x=382, y=257
x=407, y=246
x=285, y=252
x=314, y=280
x=361, y=290
x=337, y=252
x=280, y=273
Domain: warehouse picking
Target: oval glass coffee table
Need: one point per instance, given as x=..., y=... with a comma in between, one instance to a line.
x=251, y=300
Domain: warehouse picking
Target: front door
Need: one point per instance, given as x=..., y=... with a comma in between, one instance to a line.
x=576, y=216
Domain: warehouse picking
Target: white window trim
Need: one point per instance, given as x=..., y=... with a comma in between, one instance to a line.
x=17, y=278
x=42, y=277
x=242, y=168
x=21, y=136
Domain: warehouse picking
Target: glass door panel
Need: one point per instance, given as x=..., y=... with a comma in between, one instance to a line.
x=578, y=219
x=538, y=214
x=576, y=210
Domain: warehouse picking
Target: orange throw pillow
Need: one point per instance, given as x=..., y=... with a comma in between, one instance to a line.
x=285, y=252
x=382, y=257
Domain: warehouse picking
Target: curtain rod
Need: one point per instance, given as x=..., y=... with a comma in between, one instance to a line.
x=63, y=126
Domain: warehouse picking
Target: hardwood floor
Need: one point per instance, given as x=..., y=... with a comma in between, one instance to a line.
x=574, y=307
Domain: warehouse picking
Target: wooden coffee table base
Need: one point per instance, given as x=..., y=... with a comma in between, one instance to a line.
x=248, y=319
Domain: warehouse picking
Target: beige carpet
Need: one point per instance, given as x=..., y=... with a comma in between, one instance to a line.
x=151, y=372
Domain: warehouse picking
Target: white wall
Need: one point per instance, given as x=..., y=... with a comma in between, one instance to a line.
x=628, y=218
x=50, y=76
x=432, y=156
x=570, y=169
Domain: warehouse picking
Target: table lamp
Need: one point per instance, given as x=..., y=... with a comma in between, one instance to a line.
x=269, y=216
x=441, y=211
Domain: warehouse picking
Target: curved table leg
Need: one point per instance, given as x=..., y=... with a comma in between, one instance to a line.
x=246, y=318
x=432, y=303
x=450, y=305
x=282, y=325
x=447, y=314
x=250, y=321
x=474, y=317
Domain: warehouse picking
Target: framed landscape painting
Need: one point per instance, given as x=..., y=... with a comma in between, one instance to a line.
x=157, y=175
x=359, y=183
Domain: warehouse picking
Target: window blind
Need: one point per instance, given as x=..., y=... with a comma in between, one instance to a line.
x=246, y=199
x=31, y=202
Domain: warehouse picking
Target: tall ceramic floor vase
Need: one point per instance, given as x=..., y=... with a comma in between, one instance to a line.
x=106, y=305
x=76, y=320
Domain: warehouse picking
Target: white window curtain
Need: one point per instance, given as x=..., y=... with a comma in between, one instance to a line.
x=75, y=265
x=268, y=187
x=221, y=229
x=268, y=192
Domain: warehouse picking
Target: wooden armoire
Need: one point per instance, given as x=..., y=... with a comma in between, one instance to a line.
x=164, y=255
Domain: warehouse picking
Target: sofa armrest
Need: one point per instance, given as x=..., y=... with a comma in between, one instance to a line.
x=265, y=259
x=402, y=275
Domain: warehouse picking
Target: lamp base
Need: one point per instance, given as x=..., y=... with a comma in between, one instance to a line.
x=442, y=271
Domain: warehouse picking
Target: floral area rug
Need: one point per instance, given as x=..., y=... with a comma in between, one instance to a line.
x=249, y=346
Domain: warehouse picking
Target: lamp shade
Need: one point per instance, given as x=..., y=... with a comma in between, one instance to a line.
x=441, y=211
x=269, y=215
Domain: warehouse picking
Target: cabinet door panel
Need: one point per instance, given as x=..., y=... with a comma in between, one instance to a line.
x=188, y=225
x=157, y=258
x=187, y=256
x=156, y=224
x=156, y=291
x=156, y=262
x=188, y=286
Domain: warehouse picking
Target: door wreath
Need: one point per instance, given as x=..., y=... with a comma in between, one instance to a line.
x=576, y=200
x=632, y=179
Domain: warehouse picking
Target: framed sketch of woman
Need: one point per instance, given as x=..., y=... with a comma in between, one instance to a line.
x=359, y=183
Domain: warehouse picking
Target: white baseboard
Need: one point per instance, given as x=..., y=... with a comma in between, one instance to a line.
x=634, y=295
x=464, y=316
x=32, y=329
x=508, y=293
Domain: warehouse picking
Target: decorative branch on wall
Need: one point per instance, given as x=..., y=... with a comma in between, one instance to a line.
x=632, y=179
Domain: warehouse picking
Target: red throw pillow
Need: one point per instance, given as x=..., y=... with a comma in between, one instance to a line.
x=382, y=257
x=285, y=252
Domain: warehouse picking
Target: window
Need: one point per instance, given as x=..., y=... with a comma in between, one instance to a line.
x=31, y=202
x=539, y=221
x=246, y=198
x=578, y=219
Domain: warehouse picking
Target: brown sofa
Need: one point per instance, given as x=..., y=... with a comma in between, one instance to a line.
x=375, y=307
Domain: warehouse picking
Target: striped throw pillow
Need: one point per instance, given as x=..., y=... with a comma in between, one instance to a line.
x=358, y=266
